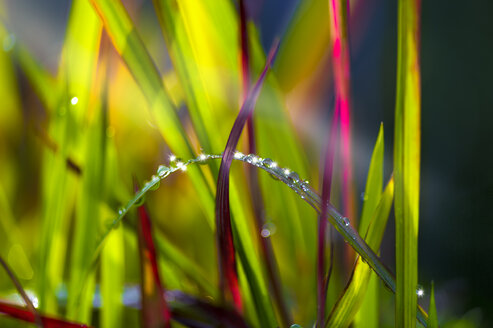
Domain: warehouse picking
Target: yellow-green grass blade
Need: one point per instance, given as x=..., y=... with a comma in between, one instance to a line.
x=374, y=184
x=432, y=311
x=78, y=68
x=367, y=316
x=127, y=42
x=305, y=44
x=407, y=161
x=346, y=307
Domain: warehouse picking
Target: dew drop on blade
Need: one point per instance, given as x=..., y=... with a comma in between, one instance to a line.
x=346, y=221
x=162, y=171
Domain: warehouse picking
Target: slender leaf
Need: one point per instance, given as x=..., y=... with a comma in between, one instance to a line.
x=322, y=277
x=20, y=313
x=226, y=253
x=155, y=311
x=129, y=45
x=346, y=307
x=407, y=161
x=367, y=316
x=432, y=318
x=307, y=37
x=22, y=292
x=338, y=10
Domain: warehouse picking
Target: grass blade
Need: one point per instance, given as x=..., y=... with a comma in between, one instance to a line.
x=226, y=253
x=129, y=45
x=368, y=313
x=338, y=12
x=407, y=162
x=27, y=316
x=346, y=307
x=322, y=278
x=155, y=311
x=18, y=286
x=307, y=37
x=266, y=248
x=432, y=318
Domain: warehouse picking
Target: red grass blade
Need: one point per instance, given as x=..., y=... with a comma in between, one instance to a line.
x=322, y=279
x=226, y=252
x=339, y=10
x=155, y=311
x=23, y=314
x=266, y=248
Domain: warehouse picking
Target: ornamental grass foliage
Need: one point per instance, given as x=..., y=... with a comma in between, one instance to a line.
x=161, y=175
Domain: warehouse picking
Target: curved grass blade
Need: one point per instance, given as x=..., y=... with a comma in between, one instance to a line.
x=302, y=188
x=432, y=318
x=129, y=45
x=346, y=307
x=266, y=248
x=155, y=311
x=226, y=253
x=27, y=300
x=407, y=161
x=322, y=276
x=28, y=316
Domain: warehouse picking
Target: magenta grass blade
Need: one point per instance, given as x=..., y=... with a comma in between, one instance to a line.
x=23, y=314
x=340, y=62
x=226, y=252
x=266, y=248
x=155, y=311
x=328, y=165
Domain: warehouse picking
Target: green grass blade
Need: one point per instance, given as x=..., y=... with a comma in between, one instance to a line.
x=374, y=184
x=131, y=48
x=112, y=280
x=307, y=37
x=344, y=311
x=432, y=311
x=367, y=316
x=407, y=162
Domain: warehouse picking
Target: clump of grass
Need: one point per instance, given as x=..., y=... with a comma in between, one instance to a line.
x=88, y=245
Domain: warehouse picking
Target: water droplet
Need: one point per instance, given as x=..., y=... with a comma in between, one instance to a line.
x=420, y=291
x=265, y=233
x=140, y=201
x=295, y=326
x=267, y=162
x=8, y=42
x=172, y=158
x=293, y=176
x=286, y=172
x=162, y=171
x=154, y=183
x=180, y=165
x=252, y=159
x=239, y=155
x=346, y=221
x=74, y=101
x=203, y=159
x=121, y=211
